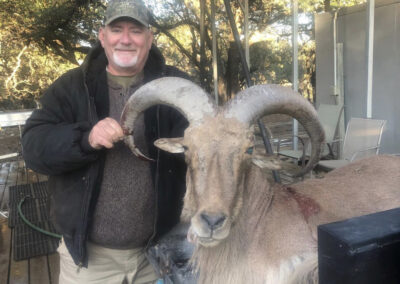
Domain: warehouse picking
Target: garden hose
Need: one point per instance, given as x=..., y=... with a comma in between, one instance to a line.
x=54, y=235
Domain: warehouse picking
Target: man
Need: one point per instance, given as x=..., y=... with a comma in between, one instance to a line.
x=108, y=204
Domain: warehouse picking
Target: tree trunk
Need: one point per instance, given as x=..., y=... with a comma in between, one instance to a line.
x=232, y=71
x=203, y=73
x=327, y=5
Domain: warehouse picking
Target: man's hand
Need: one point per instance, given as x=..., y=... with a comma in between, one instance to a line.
x=105, y=133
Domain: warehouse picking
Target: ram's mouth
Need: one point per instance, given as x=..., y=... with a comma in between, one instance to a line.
x=205, y=241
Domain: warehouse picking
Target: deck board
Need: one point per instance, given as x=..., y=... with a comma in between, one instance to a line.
x=19, y=270
x=54, y=267
x=5, y=180
x=36, y=270
x=5, y=232
x=5, y=247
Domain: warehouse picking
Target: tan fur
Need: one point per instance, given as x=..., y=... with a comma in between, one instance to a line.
x=275, y=244
x=365, y=186
x=251, y=253
x=269, y=235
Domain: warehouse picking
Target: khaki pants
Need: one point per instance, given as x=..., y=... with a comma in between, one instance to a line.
x=108, y=266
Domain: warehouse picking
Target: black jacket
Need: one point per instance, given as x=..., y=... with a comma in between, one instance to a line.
x=55, y=143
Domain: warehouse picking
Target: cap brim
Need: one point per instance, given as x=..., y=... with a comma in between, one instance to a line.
x=112, y=19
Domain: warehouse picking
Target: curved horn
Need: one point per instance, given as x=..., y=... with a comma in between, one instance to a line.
x=258, y=101
x=188, y=98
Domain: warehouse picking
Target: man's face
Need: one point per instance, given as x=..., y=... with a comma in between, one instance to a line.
x=127, y=46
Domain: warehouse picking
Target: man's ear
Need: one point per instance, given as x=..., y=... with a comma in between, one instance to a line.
x=172, y=145
x=101, y=35
x=267, y=162
x=151, y=39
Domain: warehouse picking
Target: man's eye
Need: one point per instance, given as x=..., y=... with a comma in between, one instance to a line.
x=250, y=150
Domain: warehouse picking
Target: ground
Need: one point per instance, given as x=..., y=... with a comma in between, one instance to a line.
x=9, y=140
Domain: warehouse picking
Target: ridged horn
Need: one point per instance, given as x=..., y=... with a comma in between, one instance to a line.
x=258, y=101
x=181, y=94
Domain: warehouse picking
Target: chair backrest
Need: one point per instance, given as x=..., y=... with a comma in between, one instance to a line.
x=329, y=116
x=363, y=138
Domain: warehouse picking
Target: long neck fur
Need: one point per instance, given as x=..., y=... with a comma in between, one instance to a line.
x=230, y=262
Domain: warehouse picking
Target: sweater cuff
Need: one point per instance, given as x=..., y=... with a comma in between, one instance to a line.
x=85, y=146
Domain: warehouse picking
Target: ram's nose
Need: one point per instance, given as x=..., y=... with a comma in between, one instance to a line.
x=213, y=220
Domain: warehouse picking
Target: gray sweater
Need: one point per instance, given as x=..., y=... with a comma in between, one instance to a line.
x=125, y=212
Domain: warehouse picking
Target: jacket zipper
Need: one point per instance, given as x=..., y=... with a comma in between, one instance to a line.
x=84, y=213
x=92, y=120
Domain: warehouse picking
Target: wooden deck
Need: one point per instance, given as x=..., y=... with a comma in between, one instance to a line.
x=37, y=270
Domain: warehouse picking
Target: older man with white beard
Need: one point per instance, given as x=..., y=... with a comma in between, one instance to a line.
x=108, y=204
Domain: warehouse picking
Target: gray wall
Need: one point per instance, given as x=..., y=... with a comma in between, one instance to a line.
x=352, y=25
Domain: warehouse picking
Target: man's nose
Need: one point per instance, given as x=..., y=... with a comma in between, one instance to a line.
x=125, y=38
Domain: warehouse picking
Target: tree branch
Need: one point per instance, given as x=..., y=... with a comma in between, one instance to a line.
x=174, y=40
x=16, y=68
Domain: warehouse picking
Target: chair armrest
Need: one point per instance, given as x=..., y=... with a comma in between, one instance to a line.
x=334, y=141
x=361, y=151
x=304, y=144
x=299, y=137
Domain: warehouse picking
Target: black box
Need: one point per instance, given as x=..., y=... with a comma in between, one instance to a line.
x=363, y=250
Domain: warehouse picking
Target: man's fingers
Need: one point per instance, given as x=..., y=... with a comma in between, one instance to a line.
x=116, y=126
x=112, y=127
x=105, y=133
x=105, y=143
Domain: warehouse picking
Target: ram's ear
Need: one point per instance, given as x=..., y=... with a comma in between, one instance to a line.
x=172, y=145
x=267, y=162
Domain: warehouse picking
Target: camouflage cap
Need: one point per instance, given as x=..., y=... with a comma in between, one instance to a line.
x=134, y=9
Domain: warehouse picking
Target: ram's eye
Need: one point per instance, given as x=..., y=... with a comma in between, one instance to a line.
x=250, y=150
x=185, y=148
